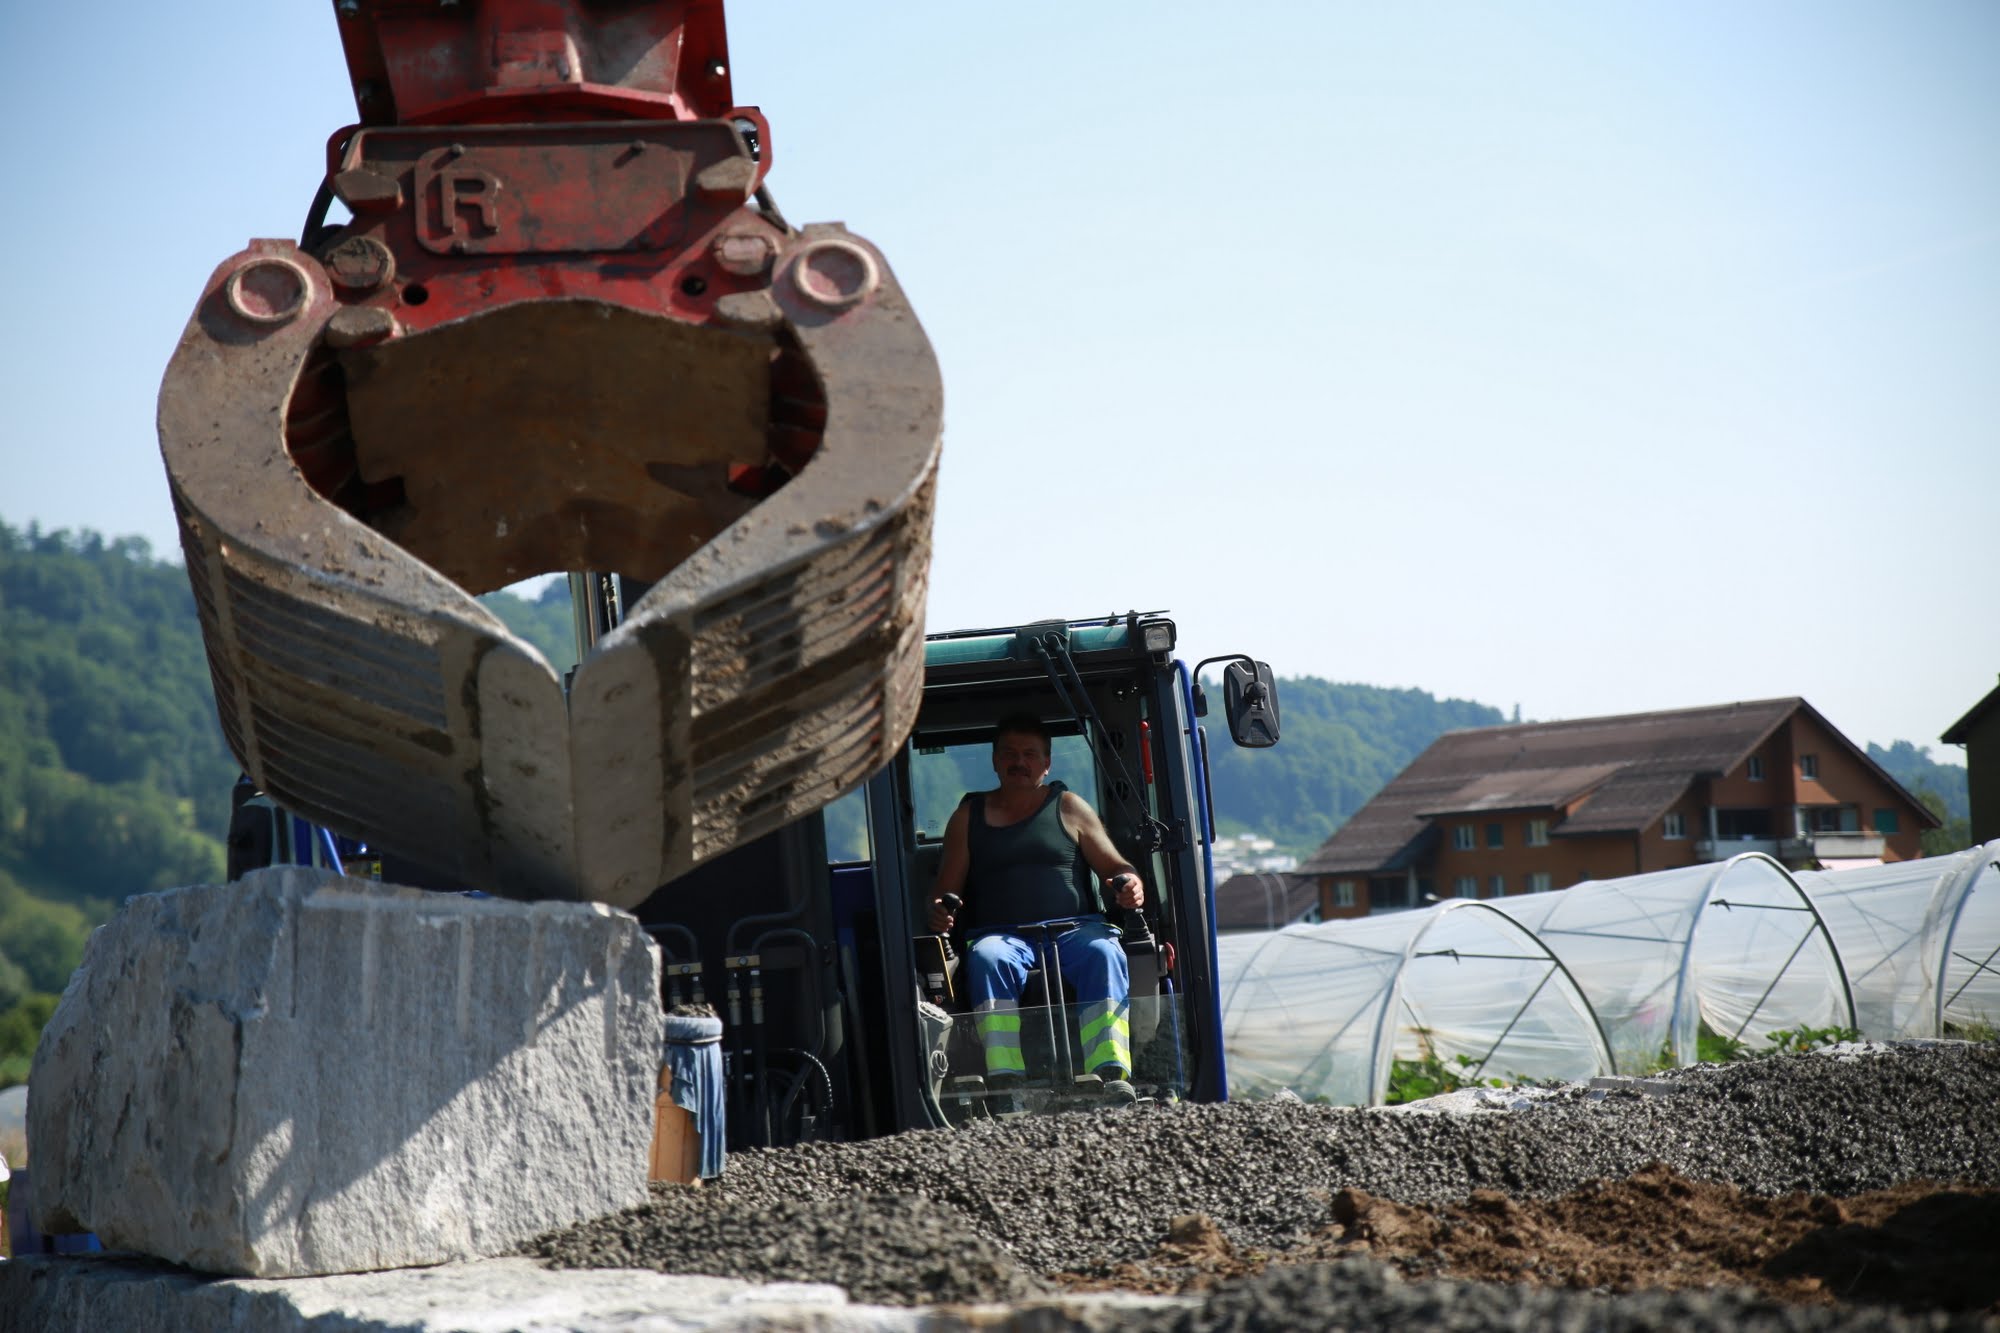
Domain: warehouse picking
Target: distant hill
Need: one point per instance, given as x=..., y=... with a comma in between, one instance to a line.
x=544, y=622
x=114, y=778
x=1339, y=744
x=1915, y=769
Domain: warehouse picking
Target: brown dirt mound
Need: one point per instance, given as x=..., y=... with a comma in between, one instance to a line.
x=1921, y=1246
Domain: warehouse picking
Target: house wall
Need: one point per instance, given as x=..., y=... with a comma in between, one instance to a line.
x=1329, y=910
x=1845, y=779
x=1564, y=860
x=1599, y=856
x=1982, y=772
x=1736, y=789
x=1659, y=852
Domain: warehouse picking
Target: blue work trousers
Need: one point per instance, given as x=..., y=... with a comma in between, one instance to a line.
x=1093, y=962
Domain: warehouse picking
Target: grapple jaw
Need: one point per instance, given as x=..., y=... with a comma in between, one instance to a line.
x=541, y=348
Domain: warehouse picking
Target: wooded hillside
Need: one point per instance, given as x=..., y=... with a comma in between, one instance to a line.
x=1339, y=745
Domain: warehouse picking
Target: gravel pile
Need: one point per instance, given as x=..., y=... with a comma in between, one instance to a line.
x=1078, y=1193
x=1357, y=1295
x=884, y=1249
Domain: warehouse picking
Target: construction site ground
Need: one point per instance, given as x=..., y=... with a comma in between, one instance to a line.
x=1856, y=1188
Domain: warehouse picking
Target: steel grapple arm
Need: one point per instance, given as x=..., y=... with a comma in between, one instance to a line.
x=564, y=330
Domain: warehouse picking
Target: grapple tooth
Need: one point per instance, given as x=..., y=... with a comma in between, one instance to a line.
x=773, y=666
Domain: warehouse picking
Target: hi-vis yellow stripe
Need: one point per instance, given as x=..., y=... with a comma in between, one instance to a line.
x=1093, y=1027
x=991, y=1023
x=1107, y=1041
x=1005, y=1060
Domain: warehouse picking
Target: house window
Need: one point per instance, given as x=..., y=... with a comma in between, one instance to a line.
x=1886, y=822
x=1468, y=886
x=1343, y=893
x=1737, y=825
x=1496, y=835
x=1496, y=887
x=1809, y=767
x=1461, y=838
x=1755, y=768
x=1830, y=818
x=1675, y=825
x=1538, y=833
x=1538, y=881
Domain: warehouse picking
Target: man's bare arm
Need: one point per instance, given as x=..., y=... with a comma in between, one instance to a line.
x=952, y=867
x=1100, y=853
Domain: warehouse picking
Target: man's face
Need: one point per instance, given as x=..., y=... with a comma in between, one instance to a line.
x=1020, y=760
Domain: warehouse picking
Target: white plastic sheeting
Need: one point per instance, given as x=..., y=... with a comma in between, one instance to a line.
x=1734, y=945
x=1324, y=1010
x=1920, y=940
x=1972, y=950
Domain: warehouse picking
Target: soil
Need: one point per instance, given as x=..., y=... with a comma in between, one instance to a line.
x=1917, y=1246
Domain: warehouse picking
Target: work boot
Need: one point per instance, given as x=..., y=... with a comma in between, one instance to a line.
x=1004, y=1097
x=1119, y=1093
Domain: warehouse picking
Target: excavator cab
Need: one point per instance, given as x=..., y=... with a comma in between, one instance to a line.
x=942, y=764
x=843, y=1016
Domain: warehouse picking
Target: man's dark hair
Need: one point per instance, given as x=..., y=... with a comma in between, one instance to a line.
x=1024, y=724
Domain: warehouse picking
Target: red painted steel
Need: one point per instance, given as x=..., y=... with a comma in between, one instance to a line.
x=527, y=150
x=416, y=62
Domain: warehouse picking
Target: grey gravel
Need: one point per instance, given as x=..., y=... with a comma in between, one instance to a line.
x=1082, y=1192
x=1356, y=1295
x=884, y=1249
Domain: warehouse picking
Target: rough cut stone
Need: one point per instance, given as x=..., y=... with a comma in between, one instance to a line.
x=302, y=1074
x=488, y=1295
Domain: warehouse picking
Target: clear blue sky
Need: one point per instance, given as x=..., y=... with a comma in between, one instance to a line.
x=1590, y=357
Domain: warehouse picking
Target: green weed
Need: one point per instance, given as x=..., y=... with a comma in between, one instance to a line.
x=1428, y=1074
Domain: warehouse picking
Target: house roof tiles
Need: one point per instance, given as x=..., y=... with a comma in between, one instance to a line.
x=1627, y=770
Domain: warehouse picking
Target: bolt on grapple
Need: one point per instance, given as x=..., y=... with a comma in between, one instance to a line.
x=565, y=329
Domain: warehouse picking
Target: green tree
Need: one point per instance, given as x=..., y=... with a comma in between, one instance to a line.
x=545, y=621
x=1341, y=744
x=21, y=1025
x=1954, y=832
x=114, y=778
x=1913, y=766
x=43, y=939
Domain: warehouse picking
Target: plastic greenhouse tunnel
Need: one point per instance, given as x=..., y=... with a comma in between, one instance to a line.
x=1735, y=947
x=1326, y=1010
x=1920, y=941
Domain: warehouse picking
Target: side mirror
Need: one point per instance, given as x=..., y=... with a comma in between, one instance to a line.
x=1250, y=700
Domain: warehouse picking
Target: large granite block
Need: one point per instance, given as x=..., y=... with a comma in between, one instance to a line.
x=301, y=1074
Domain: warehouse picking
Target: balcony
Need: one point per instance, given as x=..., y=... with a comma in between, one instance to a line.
x=1834, y=847
x=1721, y=849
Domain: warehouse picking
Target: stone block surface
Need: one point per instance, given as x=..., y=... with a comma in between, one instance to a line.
x=489, y=1295
x=301, y=1074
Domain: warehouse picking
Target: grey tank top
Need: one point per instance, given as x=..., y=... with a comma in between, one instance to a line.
x=1025, y=872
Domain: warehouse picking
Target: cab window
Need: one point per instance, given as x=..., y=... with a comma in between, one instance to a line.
x=941, y=775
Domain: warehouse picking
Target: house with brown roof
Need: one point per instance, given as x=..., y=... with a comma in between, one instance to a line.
x=1979, y=732
x=1495, y=811
x=1268, y=900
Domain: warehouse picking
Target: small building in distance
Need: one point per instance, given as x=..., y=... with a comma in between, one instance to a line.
x=1267, y=900
x=1979, y=732
x=1495, y=811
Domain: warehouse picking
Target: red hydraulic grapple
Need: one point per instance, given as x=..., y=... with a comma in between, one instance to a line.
x=565, y=330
